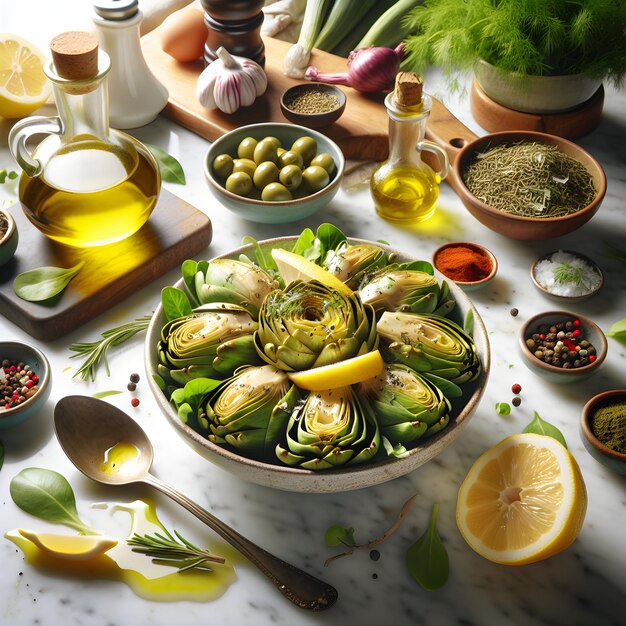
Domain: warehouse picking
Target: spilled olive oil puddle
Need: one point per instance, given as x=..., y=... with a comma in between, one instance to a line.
x=148, y=580
x=120, y=458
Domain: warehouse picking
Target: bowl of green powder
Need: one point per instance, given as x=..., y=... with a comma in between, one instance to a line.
x=603, y=429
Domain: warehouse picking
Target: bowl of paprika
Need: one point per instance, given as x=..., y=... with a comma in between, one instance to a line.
x=469, y=265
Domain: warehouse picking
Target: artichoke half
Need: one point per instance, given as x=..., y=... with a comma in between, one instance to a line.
x=352, y=263
x=431, y=344
x=309, y=325
x=331, y=428
x=212, y=342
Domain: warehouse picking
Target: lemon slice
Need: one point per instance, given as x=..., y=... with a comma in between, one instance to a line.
x=295, y=267
x=341, y=374
x=70, y=547
x=23, y=85
x=522, y=501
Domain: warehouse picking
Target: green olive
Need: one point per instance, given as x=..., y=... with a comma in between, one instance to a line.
x=290, y=176
x=245, y=150
x=275, y=141
x=315, y=178
x=244, y=165
x=239, y=183
x=323, y=159
x=306, y=147
x=290, y=158
x=275, y=192
x=223, y=165
x=280, y=151
x=265, y=173
x=265, y=151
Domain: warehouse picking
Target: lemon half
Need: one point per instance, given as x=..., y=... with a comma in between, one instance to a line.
x=522, y=501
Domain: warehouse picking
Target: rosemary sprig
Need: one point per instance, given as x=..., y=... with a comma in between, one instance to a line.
x=567, y=273
x=166, y=550
x=95, y=352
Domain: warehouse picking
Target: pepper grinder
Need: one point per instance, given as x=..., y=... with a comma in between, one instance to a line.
x=135, y=95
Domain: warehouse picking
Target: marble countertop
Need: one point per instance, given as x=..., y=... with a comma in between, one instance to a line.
x=583, y=585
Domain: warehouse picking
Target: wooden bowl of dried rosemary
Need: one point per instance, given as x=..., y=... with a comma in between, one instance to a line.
x=522, y=184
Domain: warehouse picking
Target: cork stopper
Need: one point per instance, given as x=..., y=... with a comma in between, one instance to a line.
x=75, y=55
x=408, y=90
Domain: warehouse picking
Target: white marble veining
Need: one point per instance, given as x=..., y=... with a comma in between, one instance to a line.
x=584, y=585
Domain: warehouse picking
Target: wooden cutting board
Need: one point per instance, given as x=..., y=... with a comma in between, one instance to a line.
x=175, y=231
x=361, y=132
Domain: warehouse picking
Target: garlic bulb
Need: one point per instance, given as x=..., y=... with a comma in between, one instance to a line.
x=230, y=82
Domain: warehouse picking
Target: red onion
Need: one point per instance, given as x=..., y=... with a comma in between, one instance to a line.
x=369, y=69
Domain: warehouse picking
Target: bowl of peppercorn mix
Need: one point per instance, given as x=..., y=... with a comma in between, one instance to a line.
x=603, y=429
x=314, y=105
x=562, y=347
x=24, y=382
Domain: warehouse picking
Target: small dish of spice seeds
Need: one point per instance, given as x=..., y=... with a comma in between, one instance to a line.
x=313, y=105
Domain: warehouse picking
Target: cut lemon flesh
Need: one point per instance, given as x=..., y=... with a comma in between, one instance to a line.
x=295, y=267
x=341, y=374
x=522, y=501
x=73, y=547
x=23, y=84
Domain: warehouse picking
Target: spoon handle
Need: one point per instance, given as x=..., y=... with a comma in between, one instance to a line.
x=301, y=588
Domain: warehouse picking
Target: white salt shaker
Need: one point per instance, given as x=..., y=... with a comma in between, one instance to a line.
x=135, y=95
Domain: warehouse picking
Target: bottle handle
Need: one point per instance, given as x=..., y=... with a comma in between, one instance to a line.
x=22, y=131
x=440, y=153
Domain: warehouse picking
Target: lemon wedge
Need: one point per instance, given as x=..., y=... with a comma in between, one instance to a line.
x=341, y=374
x=295, y=267
x=522, y=501
x=71, y=547
x=23, y=85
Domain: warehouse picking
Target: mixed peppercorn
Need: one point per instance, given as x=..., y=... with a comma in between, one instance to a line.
x=18, y=383
x=562, y=345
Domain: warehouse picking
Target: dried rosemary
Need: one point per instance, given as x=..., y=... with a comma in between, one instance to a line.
x=530, y=179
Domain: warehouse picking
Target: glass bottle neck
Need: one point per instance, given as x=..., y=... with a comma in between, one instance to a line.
x=406, y=129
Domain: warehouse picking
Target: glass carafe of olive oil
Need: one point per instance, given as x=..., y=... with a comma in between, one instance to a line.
x=404, y=188
x=85, y=184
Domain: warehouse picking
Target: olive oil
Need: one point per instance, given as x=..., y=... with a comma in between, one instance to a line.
x=91, y=192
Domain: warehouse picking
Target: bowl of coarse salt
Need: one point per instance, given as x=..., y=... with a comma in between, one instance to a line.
x=566, y=276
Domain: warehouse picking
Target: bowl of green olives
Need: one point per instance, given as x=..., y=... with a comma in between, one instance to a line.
x=274, y=173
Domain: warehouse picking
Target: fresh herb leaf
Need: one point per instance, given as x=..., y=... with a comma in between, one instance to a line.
x=175, y=303
x=47, y=495
x=618, y=331
x=308, y=246
x=567, y=273
x=177, y=552
x=541, y=427
x=503, y=408
x=330, y=238
x=106, y=394
x=1, y=454
x=427, y=558
x=171, y=170
x=420, y=266
x=95, y=353
x=189, y=269
x=338, y=536
x=44, y=282
x=264, y=261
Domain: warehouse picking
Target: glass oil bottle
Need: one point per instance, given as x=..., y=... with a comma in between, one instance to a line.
x=85, y=184
x=404, y=188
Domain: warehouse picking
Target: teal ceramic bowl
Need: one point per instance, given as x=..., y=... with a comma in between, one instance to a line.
x=590, y=331
x=255, y=209
x=8, y=242
x=31, y=356
x=467, y=285
x=611, y=459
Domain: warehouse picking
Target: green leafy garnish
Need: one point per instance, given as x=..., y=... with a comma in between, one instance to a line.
x=171, y=170
x=44, y=283
x=95, y=353
x=427, y=558
x=105, y=394
x=567, y=273
x=541, y=427
x=503, y=408
x=468, y=322
x=618, y=331
x=175, y=303
x=47, y=495
x=338, y=536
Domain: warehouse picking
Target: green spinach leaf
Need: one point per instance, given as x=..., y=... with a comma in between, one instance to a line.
x=175, y=303
x=44, y=282
x=427, y=558
x=171, y=170
x=47, y=494
x=618, y=331
x=541, y=427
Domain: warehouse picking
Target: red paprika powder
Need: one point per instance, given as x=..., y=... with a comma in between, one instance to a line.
x=463, y=263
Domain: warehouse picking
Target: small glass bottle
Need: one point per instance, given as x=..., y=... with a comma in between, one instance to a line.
x=404, y=188
x=84, y=185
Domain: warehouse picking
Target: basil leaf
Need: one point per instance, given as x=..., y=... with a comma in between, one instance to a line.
x=264, y=261
x=44, y=282
x=339, y=536
x=188, y=270
x=427, y=558
x=1, y=454
x=541, y=427
x=307, y=245
x=47, y=495
x=419, y=266
x=104, y=394
x=330, y=238
x=175, y=303
x=618, y=331
x=171, y=170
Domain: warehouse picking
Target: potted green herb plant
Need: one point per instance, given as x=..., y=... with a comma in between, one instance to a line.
x=536, y=56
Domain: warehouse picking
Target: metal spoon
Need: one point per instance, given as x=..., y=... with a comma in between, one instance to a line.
x=87, y=428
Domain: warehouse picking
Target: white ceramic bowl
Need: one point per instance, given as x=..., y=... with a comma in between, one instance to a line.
x=346, y=478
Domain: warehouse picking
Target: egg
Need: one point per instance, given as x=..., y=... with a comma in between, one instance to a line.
x=183, y=34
